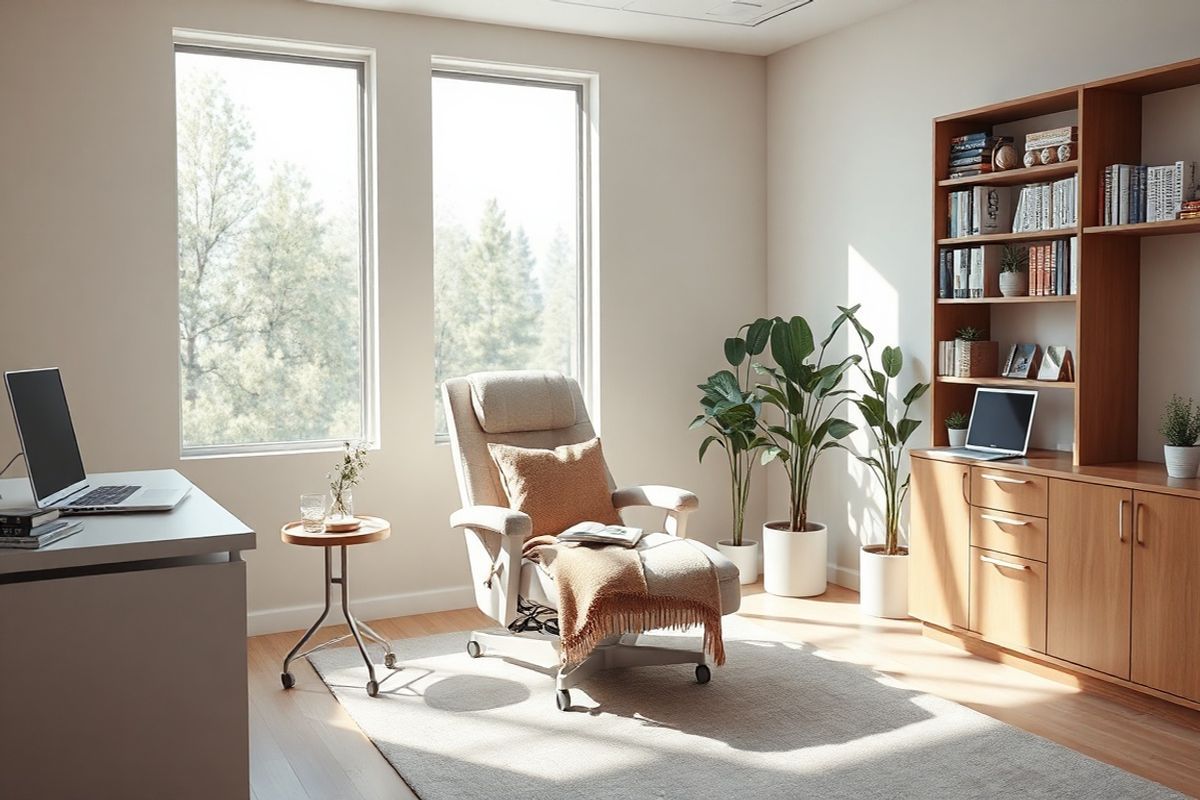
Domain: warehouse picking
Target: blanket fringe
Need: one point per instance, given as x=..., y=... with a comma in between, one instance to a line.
x=622, y=613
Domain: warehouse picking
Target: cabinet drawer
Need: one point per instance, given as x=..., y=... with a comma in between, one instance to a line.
x=1008, y=599
x=1009, y=532
x=1004, y=490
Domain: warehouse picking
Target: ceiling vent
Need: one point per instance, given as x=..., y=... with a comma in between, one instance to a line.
x=744, y=13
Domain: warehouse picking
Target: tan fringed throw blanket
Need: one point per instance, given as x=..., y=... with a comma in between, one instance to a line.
x=605, y=591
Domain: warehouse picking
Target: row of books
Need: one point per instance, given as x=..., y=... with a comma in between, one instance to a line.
x=32, y=528
x=972, y=154
x=963, y=271
x=979, y=210
x=1047, y=206
x=1134, y=193
x=1054, y=268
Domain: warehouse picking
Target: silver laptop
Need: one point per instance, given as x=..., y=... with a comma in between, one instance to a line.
x=1001, y=420
x=52, y=456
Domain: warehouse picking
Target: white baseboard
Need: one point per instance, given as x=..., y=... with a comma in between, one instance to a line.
x=843, y=576
x=294, y=618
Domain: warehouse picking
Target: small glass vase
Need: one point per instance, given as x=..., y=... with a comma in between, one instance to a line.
x=341, y=506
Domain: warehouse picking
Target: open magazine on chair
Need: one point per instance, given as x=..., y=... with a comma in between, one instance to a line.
x=599, y=533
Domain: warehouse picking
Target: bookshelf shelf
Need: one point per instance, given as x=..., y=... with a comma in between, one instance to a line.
x=987, y=301
x=1170, y=227
x=1011, y=383
x=1014, y=177
x=1001, y=238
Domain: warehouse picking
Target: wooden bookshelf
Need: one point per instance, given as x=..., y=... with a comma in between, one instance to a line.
x=1106, y=309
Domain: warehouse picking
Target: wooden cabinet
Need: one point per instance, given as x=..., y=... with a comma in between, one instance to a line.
x=1090, y=569
x=1166, y=594
x=939, y=537
x=1005, y=490
x=1008, y=599
x=1006, y=532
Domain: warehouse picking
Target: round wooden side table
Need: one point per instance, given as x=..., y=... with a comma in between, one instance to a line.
x=373, y=529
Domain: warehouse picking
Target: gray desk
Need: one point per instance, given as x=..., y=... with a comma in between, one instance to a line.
x=123, y=654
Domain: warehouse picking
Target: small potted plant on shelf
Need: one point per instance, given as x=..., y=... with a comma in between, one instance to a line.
x=345, y=476
x=956, y=428
x=883, y=568
x=1014, y=271
x=731, y=411
x=806, y=392
x=974, y=355
x=1180, y=426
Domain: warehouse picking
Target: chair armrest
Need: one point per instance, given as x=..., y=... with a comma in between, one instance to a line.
x=668, y=498
x=500, y=520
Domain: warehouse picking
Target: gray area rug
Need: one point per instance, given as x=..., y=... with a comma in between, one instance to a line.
x=778, y=721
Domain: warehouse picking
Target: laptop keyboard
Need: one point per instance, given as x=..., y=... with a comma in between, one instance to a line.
x=105, y=496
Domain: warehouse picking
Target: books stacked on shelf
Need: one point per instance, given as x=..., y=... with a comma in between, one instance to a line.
x=1189, y=210
x=1054, y=268
x=971, y=155
x=1050, y=147
x=31, y=528
x=979, y=210
x=947, y=359
x=1047, y=206
x=1135, y=193
x=965, y=272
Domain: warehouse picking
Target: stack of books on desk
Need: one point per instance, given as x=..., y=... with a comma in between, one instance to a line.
x=31, y=528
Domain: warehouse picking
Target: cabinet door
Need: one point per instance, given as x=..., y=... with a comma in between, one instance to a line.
x=1089, y=571
x=938, y=540
x=1166, y=574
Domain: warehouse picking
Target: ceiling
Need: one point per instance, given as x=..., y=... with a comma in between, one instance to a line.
x=754, y=27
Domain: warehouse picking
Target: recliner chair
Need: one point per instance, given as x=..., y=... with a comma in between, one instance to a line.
x=544, y=410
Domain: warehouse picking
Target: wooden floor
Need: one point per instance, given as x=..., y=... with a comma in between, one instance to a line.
x=304, y=745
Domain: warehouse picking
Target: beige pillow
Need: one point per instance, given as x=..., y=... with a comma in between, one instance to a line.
x=556, y=488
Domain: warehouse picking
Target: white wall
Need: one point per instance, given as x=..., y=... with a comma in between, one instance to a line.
x=88, y=261
x=849, y=149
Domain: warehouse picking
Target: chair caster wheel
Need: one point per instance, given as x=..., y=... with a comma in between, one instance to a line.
x=563, y=699
x=389, y=661
x=372, y=688
x=473, y=649
x=703, y=673
x=287, y=679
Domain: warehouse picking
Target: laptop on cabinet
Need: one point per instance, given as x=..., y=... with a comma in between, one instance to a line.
x=1001, y=420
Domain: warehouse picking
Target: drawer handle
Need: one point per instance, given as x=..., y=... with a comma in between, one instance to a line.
x=1001, y=563
x=1002, y=479
x=1121, y=520
x=1003, y=520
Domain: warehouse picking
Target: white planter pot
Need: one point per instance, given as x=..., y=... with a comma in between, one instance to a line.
x=958, y=437
x=744, y=556
x=1014, y=284
x=1182, y=462
x=794, y=562
x=883, y=584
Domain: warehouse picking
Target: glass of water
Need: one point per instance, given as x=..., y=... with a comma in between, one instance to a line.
x=312, y=512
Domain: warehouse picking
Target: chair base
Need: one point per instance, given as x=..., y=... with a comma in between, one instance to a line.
x=612, y=653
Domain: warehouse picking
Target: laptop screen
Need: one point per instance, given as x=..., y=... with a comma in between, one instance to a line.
x=1001, y=419
x=47, y=436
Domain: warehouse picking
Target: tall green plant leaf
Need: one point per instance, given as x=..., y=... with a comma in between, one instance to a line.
x=892, y=360
x=758, y=334
x=735, y=350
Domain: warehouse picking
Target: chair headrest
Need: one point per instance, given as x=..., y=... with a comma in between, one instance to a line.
x=522, y=400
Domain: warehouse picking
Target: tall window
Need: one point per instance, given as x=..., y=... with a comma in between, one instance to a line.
x=274, y=256
x=509, y=268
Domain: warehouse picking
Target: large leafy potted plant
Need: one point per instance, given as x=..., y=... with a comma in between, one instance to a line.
x=806, y=393
x=883, y=568
x=731, y=412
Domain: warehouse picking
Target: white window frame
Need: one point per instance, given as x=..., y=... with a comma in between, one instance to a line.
x=362, y=59
x=587, y=87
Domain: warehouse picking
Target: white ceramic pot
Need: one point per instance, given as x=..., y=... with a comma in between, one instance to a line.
x=1182, y=462
x=744, y=556
x=957, y=436
x=1014, y=284
x=882, y=583
x=794, y=562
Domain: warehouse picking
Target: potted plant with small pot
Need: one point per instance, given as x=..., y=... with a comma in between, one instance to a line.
x=883, y=568
x=1180, y=427
x=806, y=393
x=1014, y=271
x=731, y=412
x=956, y=428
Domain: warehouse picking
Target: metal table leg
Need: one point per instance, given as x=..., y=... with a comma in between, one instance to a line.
x=355, y=626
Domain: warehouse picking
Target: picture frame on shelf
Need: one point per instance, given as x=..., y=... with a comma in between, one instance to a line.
x=1056, y=364
x=1022, y=362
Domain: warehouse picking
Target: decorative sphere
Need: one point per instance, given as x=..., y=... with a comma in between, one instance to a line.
x=1048, y=155
x=1005, y=157
x=1064, y=152
x=1031, y=158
